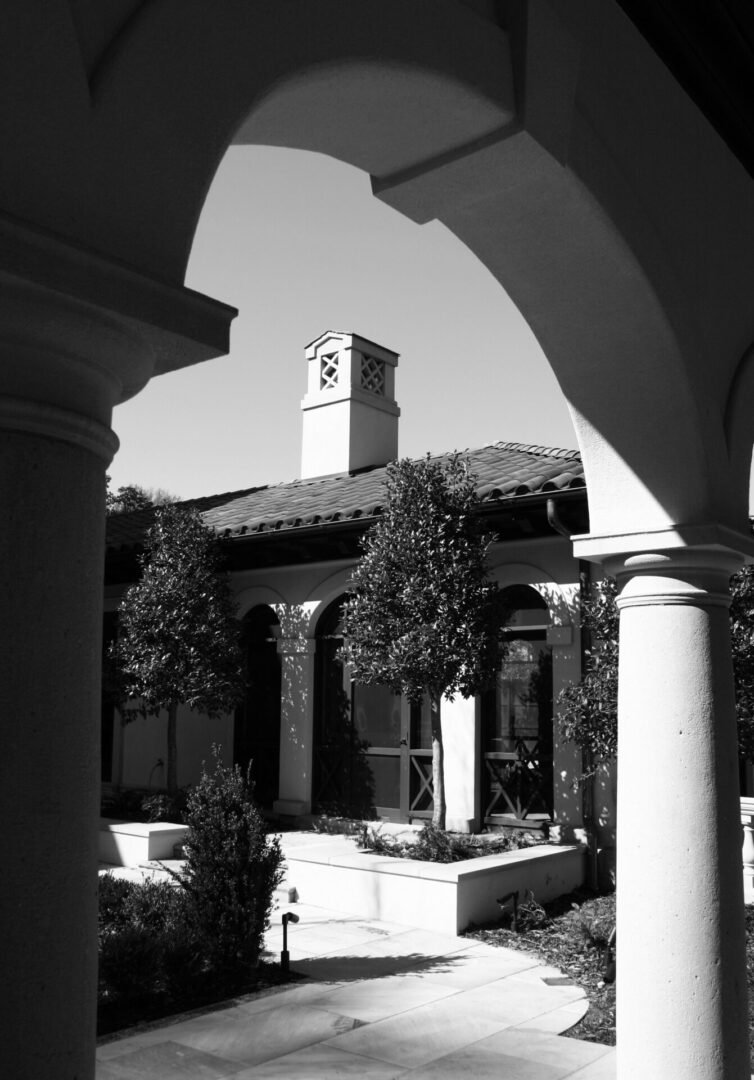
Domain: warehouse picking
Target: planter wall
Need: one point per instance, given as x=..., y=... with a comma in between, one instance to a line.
x=441, y=897
x=129, y=843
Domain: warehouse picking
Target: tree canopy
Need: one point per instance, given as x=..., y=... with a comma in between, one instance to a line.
x=742, y=642
x=178, y=635
x=422, y=616
x=587, y=711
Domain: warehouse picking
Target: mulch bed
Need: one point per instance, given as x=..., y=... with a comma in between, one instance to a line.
x=571, y=934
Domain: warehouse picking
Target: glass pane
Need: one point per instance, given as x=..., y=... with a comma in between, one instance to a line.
x=524, y=695
x=377, y=715
x=386, y=779
x=421, y=726
x=335, y=710
x=420, y=786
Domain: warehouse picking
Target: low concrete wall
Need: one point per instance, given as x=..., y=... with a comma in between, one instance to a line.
x=445, y=897
x=130, y=843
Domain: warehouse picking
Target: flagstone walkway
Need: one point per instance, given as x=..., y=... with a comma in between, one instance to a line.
x=379, y=1001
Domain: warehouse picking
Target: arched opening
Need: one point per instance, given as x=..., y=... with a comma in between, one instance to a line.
x=517, y=743
x=256, y=729
x=372, y=749
x=458, y=317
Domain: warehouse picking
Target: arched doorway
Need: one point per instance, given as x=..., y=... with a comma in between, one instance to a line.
x=256, y=731
x=372, y=750
x=517, y=740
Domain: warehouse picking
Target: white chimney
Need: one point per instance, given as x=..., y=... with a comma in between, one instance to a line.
x=350, y=414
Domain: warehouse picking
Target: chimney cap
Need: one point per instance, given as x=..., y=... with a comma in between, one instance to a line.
x=340, y=336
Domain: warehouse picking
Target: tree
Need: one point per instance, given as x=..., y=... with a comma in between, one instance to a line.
x=588, y=710
x=742, y=643
x=135, y=497
x=421, y=616
x=178, y=638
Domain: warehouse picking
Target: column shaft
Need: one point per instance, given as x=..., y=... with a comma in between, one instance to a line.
x=51, y=551
x=681, y=975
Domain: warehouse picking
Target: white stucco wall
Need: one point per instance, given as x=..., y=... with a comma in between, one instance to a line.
x=299, y=595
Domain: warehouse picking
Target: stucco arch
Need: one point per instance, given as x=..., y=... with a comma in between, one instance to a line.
x=258, y=595
x=559, y=603
x=525, y=154
x=509, y=127
x=323, y=595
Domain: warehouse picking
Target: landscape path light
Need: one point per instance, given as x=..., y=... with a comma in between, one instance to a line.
x=285, y=955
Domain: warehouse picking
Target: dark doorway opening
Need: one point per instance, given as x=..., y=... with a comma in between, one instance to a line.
x=256, y=731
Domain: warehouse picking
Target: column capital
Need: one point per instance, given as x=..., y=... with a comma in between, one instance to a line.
x=698, y=577
x=177, y=326
x=704, y=536
x=684, y=565
x=709, y=537
x=80, y=333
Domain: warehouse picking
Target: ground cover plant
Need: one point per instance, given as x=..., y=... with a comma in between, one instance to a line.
x=168, y=946
x=148, y=807
x=572, y=934
x=432, y=844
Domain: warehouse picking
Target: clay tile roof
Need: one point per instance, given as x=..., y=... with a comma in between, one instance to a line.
x=503, y=470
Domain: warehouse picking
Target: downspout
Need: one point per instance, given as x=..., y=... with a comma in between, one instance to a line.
x=587, y=806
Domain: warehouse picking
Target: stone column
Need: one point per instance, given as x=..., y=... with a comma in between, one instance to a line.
x=77, y=335
x=681, y=975
x=55, y=443
x=296, y=726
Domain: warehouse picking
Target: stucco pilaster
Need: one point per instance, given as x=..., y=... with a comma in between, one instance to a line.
x=296, y=725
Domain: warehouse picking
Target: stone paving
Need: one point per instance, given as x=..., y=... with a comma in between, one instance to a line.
x=379, y=1001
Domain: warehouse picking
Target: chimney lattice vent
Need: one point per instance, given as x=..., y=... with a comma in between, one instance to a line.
x=373, y=375
x=329, y=372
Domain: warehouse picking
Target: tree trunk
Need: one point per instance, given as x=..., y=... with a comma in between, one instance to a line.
x=438, y=768
x=172, y=770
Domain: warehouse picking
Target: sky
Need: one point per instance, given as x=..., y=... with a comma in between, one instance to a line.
x=297, y=242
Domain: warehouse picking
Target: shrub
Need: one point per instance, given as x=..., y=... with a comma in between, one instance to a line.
x=432, y=844
x=146, y=945
x=164, y=807
x=113, y=898
x=531, y=914
x=232, y=870
x=130, y=963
